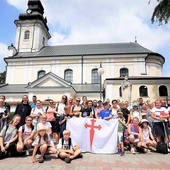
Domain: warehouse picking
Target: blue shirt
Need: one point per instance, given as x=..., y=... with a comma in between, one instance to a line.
x=105, y=114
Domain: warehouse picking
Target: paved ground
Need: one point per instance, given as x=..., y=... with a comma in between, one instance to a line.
x=92, y=162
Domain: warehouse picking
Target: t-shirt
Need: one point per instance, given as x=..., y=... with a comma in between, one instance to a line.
x=50, y=114
x=105, y=114
x=65, y=144
x=40, y=140
x=86, y=111
x=60, y=108
x=27, y=131
x=120, y=126
x=47, y=125
x=162, y=111
x=114, y=113
x=11, y=132
x=136, y=114
x=126, y=112
x=145, y=133
x=36, y=111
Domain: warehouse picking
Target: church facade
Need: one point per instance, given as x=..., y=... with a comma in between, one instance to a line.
x=34, y=68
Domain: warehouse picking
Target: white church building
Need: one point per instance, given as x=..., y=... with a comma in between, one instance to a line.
x=35, y=68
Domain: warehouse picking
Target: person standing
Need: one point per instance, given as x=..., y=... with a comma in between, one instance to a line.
x=4, y=114
x=23, y=109
x=34, y=101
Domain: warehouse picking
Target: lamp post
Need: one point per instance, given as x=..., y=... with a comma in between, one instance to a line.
x=100, y=72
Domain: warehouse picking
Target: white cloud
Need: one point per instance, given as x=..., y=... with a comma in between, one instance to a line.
x=103, y=21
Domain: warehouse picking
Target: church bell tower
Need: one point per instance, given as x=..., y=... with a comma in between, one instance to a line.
x=32, y=31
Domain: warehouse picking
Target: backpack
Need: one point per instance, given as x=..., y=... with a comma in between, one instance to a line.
x=69, y=142
x=23, y=128
x=162, y=147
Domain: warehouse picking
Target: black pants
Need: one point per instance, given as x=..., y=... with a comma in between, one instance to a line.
x=11, y=149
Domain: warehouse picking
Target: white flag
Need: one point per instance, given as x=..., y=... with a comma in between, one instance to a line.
x=94, y=135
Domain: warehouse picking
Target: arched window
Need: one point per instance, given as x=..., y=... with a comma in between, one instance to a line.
x=163, y=91
x=143, y=91
x=120, y=91
x=124, y=72
x=95, y=77
x=68, y=75
x=27, y=34
x=41, y=73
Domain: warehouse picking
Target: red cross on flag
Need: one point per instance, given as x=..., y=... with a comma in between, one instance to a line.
x=94, y=135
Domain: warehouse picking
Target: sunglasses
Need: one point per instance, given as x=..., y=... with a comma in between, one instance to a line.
x=29, y=120
x=77, y=100
x=64, y=98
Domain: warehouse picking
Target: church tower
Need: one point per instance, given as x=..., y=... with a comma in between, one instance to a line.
x=32, y=31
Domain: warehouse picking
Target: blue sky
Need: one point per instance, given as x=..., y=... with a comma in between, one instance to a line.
x=91, y=21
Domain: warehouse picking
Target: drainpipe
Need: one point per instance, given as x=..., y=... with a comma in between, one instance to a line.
x=82, y=62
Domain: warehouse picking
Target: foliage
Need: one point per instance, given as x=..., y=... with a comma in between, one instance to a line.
x=161, y=12
x=2, y=77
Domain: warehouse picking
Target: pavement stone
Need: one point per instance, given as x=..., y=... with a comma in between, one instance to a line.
x=149, y=161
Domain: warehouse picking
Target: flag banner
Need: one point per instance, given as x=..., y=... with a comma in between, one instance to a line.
x=94, y=135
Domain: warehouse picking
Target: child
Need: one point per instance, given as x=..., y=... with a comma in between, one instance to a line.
x=134, y=132
x=147, y=136
x=42, y=144
x=25, y=136
x=66, y=150
x=63, y=120
x=120, y=132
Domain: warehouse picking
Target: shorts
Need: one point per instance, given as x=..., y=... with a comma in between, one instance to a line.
x=120, y=137
x=39, y=152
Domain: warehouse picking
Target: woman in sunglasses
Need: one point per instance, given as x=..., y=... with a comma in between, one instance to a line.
x=76, y=108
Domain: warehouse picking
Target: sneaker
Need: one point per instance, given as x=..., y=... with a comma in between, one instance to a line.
x=41, y=159
x=133, y=150
x=122, y=153
x=67, y=160
x=27, y=153
x=80, y=155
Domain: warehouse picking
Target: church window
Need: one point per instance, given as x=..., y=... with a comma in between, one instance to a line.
x=43, y=42
x=143, y=91
x=41, y=73
x=120, y=91
x=124, y=72
x=68, y=75
x=163, y=91
x=95, y=78
x=27, y=34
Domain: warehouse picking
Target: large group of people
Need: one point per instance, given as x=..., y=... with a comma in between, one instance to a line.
x=142, y=125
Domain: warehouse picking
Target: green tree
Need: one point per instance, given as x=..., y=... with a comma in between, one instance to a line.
x=2, y=77
x=161, y=12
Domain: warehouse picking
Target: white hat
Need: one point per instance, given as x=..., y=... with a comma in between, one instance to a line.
x=144, y=120
x=41, y=127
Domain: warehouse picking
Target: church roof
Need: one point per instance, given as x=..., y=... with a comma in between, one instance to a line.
x=88, y=49
x=13, y=88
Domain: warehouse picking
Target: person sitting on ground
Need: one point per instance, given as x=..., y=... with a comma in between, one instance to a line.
x=25, y=136
x=67, y=149
x=42, y=144
x=106, y=113
x=135, y=133
x=121, y=125
x=8, y=138
x=147, y=138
